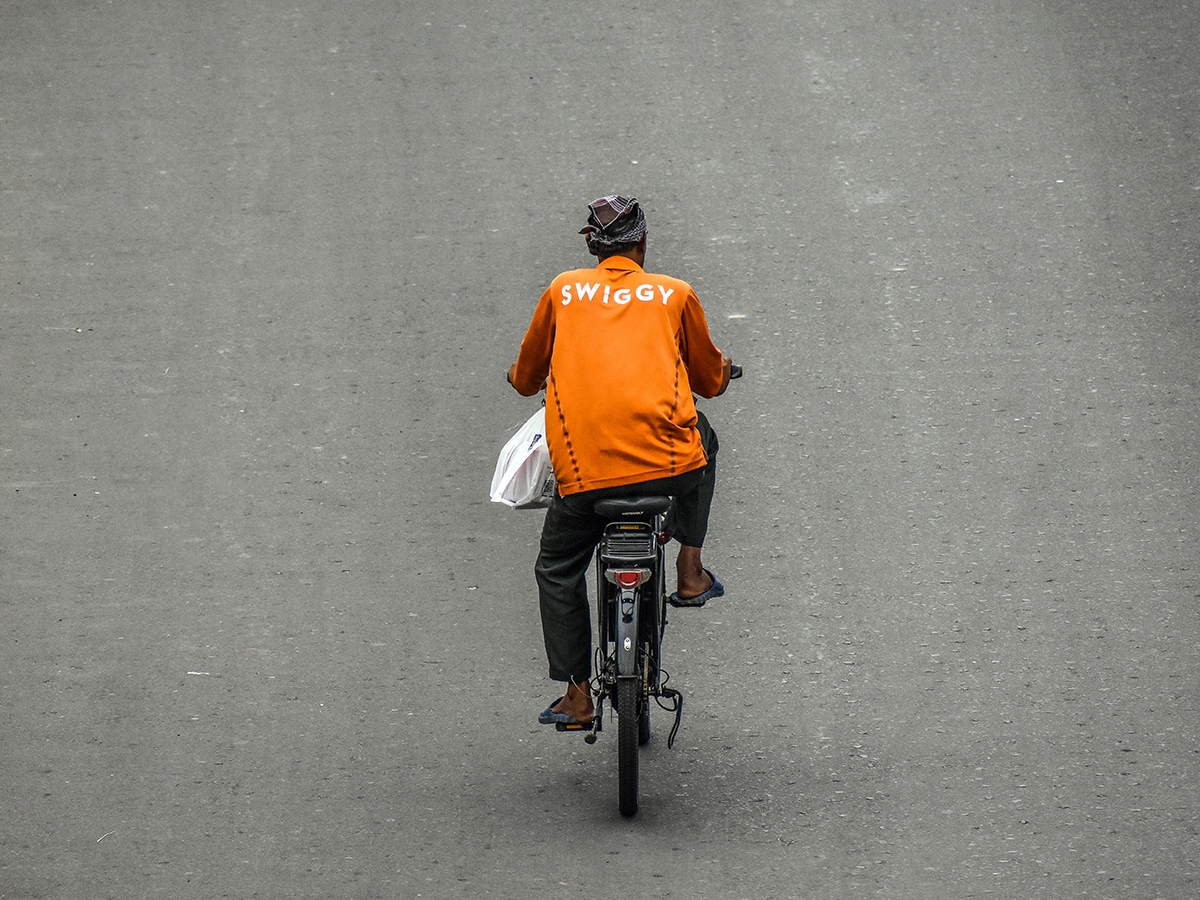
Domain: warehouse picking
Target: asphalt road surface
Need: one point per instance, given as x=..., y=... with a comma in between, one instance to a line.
x=262, y=267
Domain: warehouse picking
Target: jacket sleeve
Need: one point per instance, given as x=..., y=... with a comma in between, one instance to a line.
x=533, y=361
x=706, y=370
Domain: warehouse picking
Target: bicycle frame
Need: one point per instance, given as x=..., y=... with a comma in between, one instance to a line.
x=631, y=602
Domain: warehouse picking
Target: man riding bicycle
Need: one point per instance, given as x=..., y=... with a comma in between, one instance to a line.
x=620, y=353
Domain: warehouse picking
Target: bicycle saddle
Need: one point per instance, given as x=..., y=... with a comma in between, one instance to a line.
x=623, y=507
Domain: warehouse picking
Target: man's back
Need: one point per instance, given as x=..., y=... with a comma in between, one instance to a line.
x=623, y=350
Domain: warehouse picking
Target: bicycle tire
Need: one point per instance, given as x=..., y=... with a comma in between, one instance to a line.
x=629, y=717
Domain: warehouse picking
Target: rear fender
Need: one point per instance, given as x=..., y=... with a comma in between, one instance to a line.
x=627, y=633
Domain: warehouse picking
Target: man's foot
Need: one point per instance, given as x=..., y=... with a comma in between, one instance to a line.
x=573, y=708
x=715, y=589
x=694, y=583
x=549, y=716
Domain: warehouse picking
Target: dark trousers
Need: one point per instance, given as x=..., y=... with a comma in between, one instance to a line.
x=570, y=534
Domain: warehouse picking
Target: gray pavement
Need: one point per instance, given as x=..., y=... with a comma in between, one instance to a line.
x=262, y=267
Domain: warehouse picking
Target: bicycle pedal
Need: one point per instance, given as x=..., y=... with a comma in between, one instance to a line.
x=562, y=726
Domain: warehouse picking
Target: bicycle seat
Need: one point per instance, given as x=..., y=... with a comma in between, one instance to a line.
x=625, y=507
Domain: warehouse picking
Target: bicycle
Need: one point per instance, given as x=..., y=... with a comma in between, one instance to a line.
x=631, y=616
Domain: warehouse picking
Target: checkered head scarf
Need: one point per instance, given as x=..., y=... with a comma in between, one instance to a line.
x=613, y=222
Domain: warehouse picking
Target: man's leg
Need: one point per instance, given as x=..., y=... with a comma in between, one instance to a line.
x=569, y=536
x=691, y=519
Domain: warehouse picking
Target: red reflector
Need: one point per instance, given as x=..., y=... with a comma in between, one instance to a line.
x=629, y=579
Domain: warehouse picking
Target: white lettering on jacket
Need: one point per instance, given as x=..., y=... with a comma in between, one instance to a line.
x=622, y=296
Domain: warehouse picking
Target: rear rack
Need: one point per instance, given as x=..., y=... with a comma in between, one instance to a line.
x=628, y=542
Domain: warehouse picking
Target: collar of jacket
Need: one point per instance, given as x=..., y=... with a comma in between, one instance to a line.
x=619, y=263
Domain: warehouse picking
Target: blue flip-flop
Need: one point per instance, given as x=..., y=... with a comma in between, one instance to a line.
x=548, y=717
x=717, y=590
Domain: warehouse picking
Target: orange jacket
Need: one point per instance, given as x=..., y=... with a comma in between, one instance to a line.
x=623, y=350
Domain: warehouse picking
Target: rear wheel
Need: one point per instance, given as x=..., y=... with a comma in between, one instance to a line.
x=629, y=720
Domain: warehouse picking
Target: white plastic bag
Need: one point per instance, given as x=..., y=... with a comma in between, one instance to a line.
x=524, y=478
